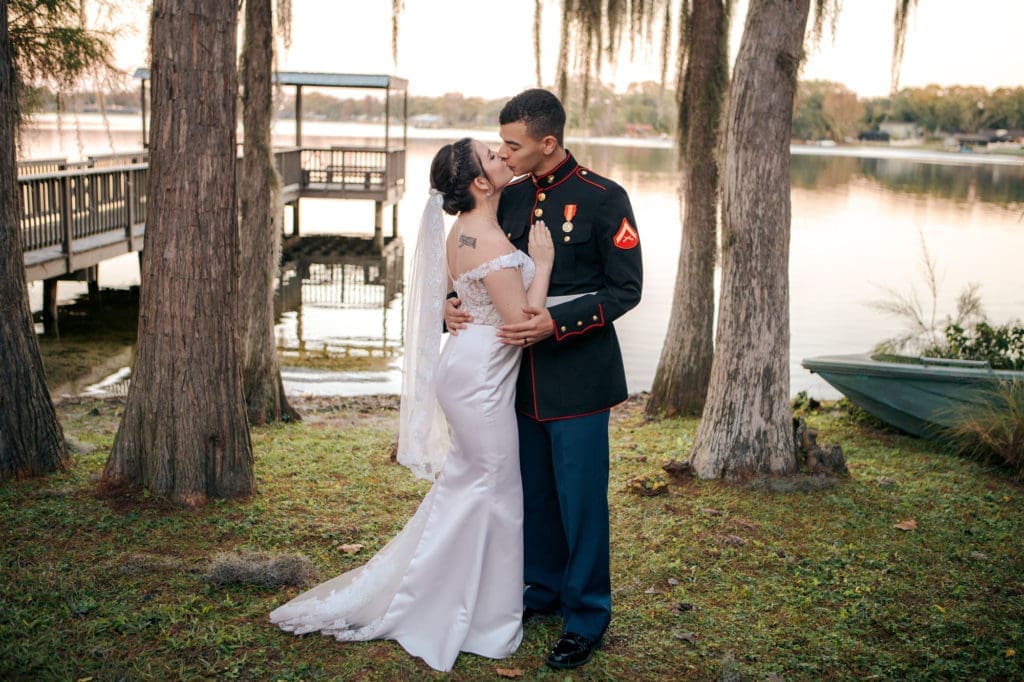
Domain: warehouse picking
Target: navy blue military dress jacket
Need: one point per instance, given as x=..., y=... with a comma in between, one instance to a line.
x=596, y=278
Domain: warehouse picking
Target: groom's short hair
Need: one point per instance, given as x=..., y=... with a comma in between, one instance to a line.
x=540, y=110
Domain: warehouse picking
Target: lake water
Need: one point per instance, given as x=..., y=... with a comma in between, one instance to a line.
x=859, y=218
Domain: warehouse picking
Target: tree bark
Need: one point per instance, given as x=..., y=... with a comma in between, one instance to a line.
x=261, y=215
x=31, y=438
x=746, y=428
x=184, y=433
x=684, y=369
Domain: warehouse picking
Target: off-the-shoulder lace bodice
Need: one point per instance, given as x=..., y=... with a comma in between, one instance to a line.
x=473, y=294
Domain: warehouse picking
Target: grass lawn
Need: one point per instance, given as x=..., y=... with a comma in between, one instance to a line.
x=711, y=581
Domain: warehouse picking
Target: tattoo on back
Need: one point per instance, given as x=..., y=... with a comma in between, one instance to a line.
x=467, y=241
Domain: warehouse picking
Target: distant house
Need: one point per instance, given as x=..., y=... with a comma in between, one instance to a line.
x=425, y=121
x=901, y=130
x=1000, y=134
x=989, y=139
x=969, y=141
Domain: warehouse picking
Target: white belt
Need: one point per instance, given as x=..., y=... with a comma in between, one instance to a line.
x=556, y=300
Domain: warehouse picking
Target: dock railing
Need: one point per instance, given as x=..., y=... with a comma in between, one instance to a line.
x=76, y=214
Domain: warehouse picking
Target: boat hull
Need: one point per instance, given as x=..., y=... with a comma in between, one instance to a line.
x=920, y=399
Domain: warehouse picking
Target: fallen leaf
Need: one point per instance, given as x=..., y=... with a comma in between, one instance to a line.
x=673, y=582
x=649, y=590
x=909, y=524
x=979, y=555
x=350, y=549
x=1011, y=653
x=683, y=607
x=690, y=637
x=711, y=512
x=733, y=541
x=508, y=672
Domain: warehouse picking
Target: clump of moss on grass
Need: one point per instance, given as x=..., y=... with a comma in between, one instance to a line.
x=260, y=569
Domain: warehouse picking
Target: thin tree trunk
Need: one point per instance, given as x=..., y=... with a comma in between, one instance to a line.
x=184, y=432
x=746, y=428
x=260, y=194
x=681, y=381
x=31, y=439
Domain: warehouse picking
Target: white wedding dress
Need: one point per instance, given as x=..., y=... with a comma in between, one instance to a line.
x=452, y=579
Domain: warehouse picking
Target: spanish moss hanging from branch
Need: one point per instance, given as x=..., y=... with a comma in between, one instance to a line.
x=903, y=10
x=397, y=7
x=592, y=32
x=283, y=20
x=536, y=41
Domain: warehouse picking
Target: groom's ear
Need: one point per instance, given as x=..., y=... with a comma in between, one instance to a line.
x=548, y=144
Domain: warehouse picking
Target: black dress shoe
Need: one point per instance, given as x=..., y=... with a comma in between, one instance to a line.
x=571, y=651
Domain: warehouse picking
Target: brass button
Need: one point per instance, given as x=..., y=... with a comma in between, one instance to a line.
x=595, y=318
x=539, y=212
x=563, y=329
x=583, y=172
x=579, y=323
x=551, y=178
x=509, y=235
x=566, y=239
x=542, y=196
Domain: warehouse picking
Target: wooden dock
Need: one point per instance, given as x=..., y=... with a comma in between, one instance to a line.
x=75, y=215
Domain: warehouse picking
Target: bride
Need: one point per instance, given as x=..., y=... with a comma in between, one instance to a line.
x=451, y=580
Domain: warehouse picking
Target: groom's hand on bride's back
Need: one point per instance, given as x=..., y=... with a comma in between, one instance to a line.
x=455, y=320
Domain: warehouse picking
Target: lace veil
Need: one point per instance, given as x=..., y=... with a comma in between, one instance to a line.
x=423, y=439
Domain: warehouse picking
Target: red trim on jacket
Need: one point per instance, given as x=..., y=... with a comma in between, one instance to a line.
x=571, y=416
x=533, y=383
x=564, y=161
x=556, y=184
x=589, y=181
x=600, y=309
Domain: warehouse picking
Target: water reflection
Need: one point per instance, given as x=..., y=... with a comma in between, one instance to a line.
x=340, y=315
x=1002, y=185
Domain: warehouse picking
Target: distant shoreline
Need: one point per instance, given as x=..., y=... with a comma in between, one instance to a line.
x=123, y=123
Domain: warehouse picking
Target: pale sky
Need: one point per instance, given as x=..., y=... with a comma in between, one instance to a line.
x=485, y=47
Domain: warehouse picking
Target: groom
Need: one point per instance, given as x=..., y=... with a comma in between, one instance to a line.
x=572, y=371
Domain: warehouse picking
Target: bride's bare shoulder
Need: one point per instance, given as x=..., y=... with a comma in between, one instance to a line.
x=478, y=246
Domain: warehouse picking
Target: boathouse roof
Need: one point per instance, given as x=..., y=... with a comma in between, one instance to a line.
x=325, y=80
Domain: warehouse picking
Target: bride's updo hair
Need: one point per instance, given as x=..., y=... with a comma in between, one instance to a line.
x=454, y=168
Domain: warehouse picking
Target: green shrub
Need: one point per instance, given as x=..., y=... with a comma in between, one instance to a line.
x=1001, y=346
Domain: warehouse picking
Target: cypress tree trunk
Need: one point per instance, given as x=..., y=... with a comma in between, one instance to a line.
x=261, y=212
x=31, y=439
x=746, y=428
x=184, y=433
x=681, y=381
